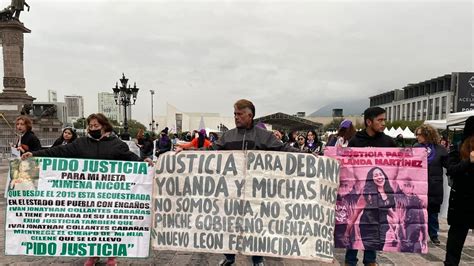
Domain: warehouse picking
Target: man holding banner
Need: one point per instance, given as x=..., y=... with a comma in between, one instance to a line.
x=245, y=136
x=372, y=136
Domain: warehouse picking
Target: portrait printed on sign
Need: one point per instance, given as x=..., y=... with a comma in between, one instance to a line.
x=382, y=200
x=24, y=175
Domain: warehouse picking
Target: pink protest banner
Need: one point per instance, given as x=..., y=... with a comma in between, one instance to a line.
x=382, y=199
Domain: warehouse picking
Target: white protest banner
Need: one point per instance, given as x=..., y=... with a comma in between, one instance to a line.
x=253, y=203
x=78, y=207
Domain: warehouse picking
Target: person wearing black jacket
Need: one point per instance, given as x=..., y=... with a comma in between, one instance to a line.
x=146, y=150
x=27, y=140
x=371, y=136
x=313, y=143
x=461, y=197
x=67, y=136
x=100, y=143
x=428, y=138
x=163, y=144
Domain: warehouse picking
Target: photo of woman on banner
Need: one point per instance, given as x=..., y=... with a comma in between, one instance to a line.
x=373, y=213
x=24, y=175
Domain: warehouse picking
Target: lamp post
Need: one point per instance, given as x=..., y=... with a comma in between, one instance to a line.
x=152, y=124
x=123, y=96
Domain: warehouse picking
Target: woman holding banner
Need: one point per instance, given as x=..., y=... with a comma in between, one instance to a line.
x=100, y=143
x=27, y=140
x=375, y=209
x=461, y=209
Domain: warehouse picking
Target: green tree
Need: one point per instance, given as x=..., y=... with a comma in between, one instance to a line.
x=133, y=127
x=114, y=123
x=333, y=125
x=80, y=123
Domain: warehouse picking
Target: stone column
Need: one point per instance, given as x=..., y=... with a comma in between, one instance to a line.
x=14, y=95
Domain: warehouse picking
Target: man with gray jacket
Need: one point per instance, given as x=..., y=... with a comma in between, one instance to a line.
x=246, y=136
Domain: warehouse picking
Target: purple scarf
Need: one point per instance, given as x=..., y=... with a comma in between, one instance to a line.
x=431, y=149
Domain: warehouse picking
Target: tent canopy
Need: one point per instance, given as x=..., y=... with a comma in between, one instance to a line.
x=406, y=133
x=438, y=124
x=453, y=121
x=288, y=122
x=457, y=120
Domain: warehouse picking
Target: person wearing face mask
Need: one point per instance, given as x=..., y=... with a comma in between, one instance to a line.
x=100, y=143
x=27, y=140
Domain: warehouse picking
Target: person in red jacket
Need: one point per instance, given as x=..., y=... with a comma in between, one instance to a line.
x=200, y=142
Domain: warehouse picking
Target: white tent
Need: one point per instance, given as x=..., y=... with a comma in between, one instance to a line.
x=391, y=132
x=398, y=131
x=438, y=124
x=407, y=134
x=456, y=120
x=453, y=121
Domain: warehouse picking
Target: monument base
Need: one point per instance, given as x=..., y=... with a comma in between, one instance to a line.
x=11, y=105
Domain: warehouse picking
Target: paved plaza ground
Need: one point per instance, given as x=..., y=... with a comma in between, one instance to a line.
x=434, y=257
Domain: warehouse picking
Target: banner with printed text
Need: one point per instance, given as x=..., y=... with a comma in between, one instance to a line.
x=78, y=207
x=382, y=199
x=254, y=203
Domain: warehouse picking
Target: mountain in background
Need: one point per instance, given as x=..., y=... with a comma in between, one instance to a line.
x=352, y=107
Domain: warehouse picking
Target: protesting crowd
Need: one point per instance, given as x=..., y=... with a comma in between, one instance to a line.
x=373, y=212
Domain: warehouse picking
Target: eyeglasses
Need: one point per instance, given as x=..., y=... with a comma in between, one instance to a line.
x=301, y=139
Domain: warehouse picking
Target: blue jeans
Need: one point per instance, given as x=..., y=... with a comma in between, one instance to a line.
x=433, y=225
x=370, y=256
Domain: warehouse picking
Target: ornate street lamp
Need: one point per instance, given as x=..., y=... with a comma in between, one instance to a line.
x=152, y=124
x=123, y=96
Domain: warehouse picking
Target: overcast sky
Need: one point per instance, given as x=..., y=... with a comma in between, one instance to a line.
x=202, y=56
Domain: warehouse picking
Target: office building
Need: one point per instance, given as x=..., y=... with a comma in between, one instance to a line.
x=432, y=99
x=75, y=107
x=52, y=96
